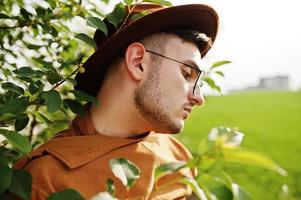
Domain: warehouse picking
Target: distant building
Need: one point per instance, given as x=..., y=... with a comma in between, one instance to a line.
x=269, y=83
x=276, y=82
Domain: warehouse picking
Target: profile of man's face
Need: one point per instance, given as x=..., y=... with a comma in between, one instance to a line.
x=165, y=95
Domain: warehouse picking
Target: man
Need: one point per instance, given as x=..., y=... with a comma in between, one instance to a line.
x=147, y=77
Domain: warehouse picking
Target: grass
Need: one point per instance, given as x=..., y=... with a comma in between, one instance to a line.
x=271, y=122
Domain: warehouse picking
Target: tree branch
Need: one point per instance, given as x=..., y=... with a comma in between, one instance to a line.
x=32, y=125
x=62, y=81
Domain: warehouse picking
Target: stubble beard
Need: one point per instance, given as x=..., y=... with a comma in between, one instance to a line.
x=150, y=104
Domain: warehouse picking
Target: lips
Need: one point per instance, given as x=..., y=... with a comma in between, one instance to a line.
x=188, y=109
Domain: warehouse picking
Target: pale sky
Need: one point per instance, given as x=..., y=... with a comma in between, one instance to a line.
x=261, y=37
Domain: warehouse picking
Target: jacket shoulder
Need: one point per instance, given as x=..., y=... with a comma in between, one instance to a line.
x=166, y=148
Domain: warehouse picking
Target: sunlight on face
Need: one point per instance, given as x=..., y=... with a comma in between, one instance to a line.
x=164, y=96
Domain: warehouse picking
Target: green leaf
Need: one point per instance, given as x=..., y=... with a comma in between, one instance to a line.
x=68, y=63
x=212, y=84
x=52, y=4
x=85, y=38
x=216, y=186
x=204, y=162
x=126, y=171
x=75, y=106
x=3, y=16
x=66, y=194
x=44, y=64
x=42, y=118
x=32, y=88
x=239, y=193
x=35, y=87
x=71, y=80
x=15, y=106
x=228, y=180
x=12, y=87
x=82, y=96
x=220, y=73
x=219, y=63
x=61, y=28
x=41, y=12
x=53, y=77
x=20, y=3
x=6, y=116
x=105, y=1
x=4, y=154
x=46, y=28
x=117, y=15
x=139, y=15
x=26, y=79
x=110, y=187
x=128, y=2
x=242, y=156
x=21, y=184
x=195, y=187
x=33, y=46
x=5, y=174
x=28, y=71
x=26, y=15
x=97, y=23
x=53, y=100
x=21, y=122
x=17, y=140
x=168, y=168
x=162, y=2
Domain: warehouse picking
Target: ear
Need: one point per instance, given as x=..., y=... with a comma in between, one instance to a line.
x=134, y=59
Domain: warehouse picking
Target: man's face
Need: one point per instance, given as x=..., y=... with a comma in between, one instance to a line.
x=165, y=99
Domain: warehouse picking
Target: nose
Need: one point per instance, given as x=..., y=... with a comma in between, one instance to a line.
x=197, y=98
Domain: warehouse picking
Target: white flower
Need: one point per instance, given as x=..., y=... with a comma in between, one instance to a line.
x=103, y=196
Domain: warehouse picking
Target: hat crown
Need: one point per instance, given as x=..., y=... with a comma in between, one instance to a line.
x=100, y=38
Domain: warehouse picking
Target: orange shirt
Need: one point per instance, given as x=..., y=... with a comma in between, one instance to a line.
x=78, y=158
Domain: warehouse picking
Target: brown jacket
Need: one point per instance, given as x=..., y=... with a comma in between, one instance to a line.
x=79, y=157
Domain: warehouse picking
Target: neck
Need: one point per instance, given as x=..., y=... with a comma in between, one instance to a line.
x=117, y=116
x=115, y=121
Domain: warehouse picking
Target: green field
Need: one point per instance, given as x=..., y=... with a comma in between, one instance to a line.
x=271, y=122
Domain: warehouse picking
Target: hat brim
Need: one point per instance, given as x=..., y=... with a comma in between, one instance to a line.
x=193, y=16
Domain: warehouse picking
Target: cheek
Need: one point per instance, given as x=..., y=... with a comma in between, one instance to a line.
x=180, y=84
x=176, y=87
x=173, y=84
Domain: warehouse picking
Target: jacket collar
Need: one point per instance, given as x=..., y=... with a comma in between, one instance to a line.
x=81, y=143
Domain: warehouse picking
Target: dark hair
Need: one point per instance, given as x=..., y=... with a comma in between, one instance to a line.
x=202, y=41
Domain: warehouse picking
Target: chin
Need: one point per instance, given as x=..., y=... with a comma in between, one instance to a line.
x=175, y=128
x=178, y=126
x=171, y=129
x=169, y=126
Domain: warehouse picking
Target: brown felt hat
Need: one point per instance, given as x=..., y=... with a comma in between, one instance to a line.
x=191, y=16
